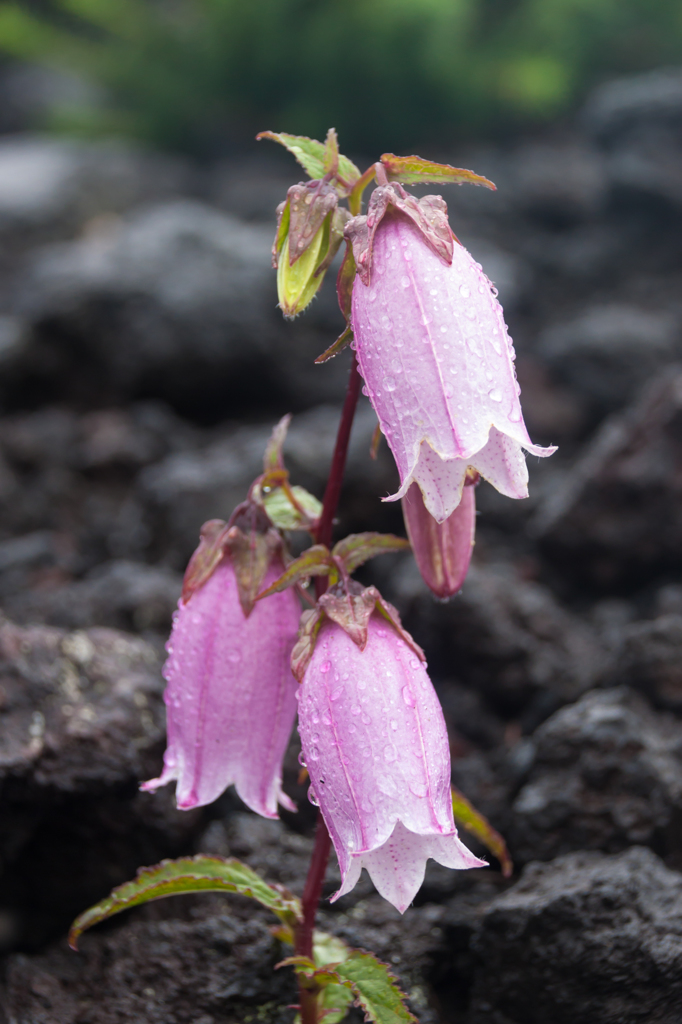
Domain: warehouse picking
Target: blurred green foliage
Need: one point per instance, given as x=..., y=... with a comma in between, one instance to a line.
x=182, y=73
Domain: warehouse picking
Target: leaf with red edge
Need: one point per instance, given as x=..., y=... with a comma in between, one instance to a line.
x=251, y=554
x=341, y=342
x=311, y=156
x=357, y=548
x=414, y=170
x=310, y=204
x=316, y=561
x=213, y=544
x=189, y=874
x=477, y=824
x=331, y=152
x=391, y=615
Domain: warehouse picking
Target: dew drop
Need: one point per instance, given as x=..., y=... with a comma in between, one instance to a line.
x=464, y=291
x=434, y=291
x=314, y=754
x=390, y=753
x=389, y=383
x=313, y=799
x=365, y=391
x=326, y=718
x=418, y=789
x=470, y=313
x=394, y=724
x=515, y=414
x=324, y=668
x=495, y=395
x=234, y=657
x=355, y=709
x=408, y=697
x=301, y=760
x=366, y=719
x=335, y=694
x=404, y=282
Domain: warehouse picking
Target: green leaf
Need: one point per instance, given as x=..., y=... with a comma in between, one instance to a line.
x=473, y=821
x=189, y=874
x=338, y=346
x=313, y=562
x=357, y=548
x=375, y=988
x=414, y=170
x=312, y=156
x=284, y=515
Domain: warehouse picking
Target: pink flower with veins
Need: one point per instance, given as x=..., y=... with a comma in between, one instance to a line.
x=442, y=551
x=376, y=748
x=438, y=366
x=230, y=694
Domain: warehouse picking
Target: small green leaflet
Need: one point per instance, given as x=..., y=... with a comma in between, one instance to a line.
x=375, y=988
x=357, y=548
x=371, y=982
x=473, y=821
x=312, y=156
x=286, y=516
x=189, y=874
x=414, y=170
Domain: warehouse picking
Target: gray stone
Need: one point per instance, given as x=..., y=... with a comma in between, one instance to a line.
x=606, y=353
x=615, y=516
x=606, y=773
x=586, y=938
x=650, y=659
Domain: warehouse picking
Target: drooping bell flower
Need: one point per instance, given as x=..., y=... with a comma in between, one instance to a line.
x=230, y=691
x=375, y=745
x=433, y=349
x=442, y=551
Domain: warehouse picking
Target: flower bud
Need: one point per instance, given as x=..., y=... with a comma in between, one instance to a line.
x=309, y=233
x=376, y=748
x=442, y=551
x=230, y=693
x=433, y=348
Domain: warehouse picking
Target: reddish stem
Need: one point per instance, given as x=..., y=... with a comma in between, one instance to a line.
x=333, y=491
x=323, y=843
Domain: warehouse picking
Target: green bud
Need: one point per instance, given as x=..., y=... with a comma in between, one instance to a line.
x=309, y=233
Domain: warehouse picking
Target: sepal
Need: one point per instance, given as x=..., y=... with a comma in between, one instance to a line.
x=341, y=342
x=252, y=543
x=207, y=557
x=315, y=561
x=185, y=875
x=302, y=652
x=429, y=214
x=414, y=170
x=350, y=606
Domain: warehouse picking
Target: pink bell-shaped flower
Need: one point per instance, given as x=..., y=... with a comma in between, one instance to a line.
x=230, y=694
x=433, y=349
x=376, y=748
x=442, y=551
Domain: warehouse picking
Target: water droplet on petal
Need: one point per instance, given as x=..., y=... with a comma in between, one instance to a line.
x=390, y=754
x=301, y=760
x=355, y=709
x=324, y=668
x=408, y=697
x=495, y=395
x=389, y=383
x=405, y=282
x=464, y=291
x=335, y=694
x=418, y=789
x=313, y=799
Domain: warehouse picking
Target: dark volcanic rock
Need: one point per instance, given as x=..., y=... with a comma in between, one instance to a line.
x=616, y=516
x=586, y=938
x=81, y=724
x=607, y=773
x=504, y=636
x=650, y=659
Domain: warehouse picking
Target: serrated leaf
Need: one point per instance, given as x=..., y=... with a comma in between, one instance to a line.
x=357, y=548
x=311, y=156
x=414, y=170
x=185, y=875
x=285, y=515
x=350, y=607
x=473, y=821
x=375, y=988
x=313, y=562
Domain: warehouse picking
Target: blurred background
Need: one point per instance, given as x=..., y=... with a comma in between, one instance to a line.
x=143, y=363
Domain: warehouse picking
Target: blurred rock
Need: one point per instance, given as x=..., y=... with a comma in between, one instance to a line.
x=505, y=637
x=560, y=182
x=605, y=354
x=616, y=516
x=50, y=188
x=606, y=774
x=650, y=659
x=586, y=938
x=638, y=120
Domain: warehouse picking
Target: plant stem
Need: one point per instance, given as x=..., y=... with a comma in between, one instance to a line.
x=333, y=490
x=322, y=848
